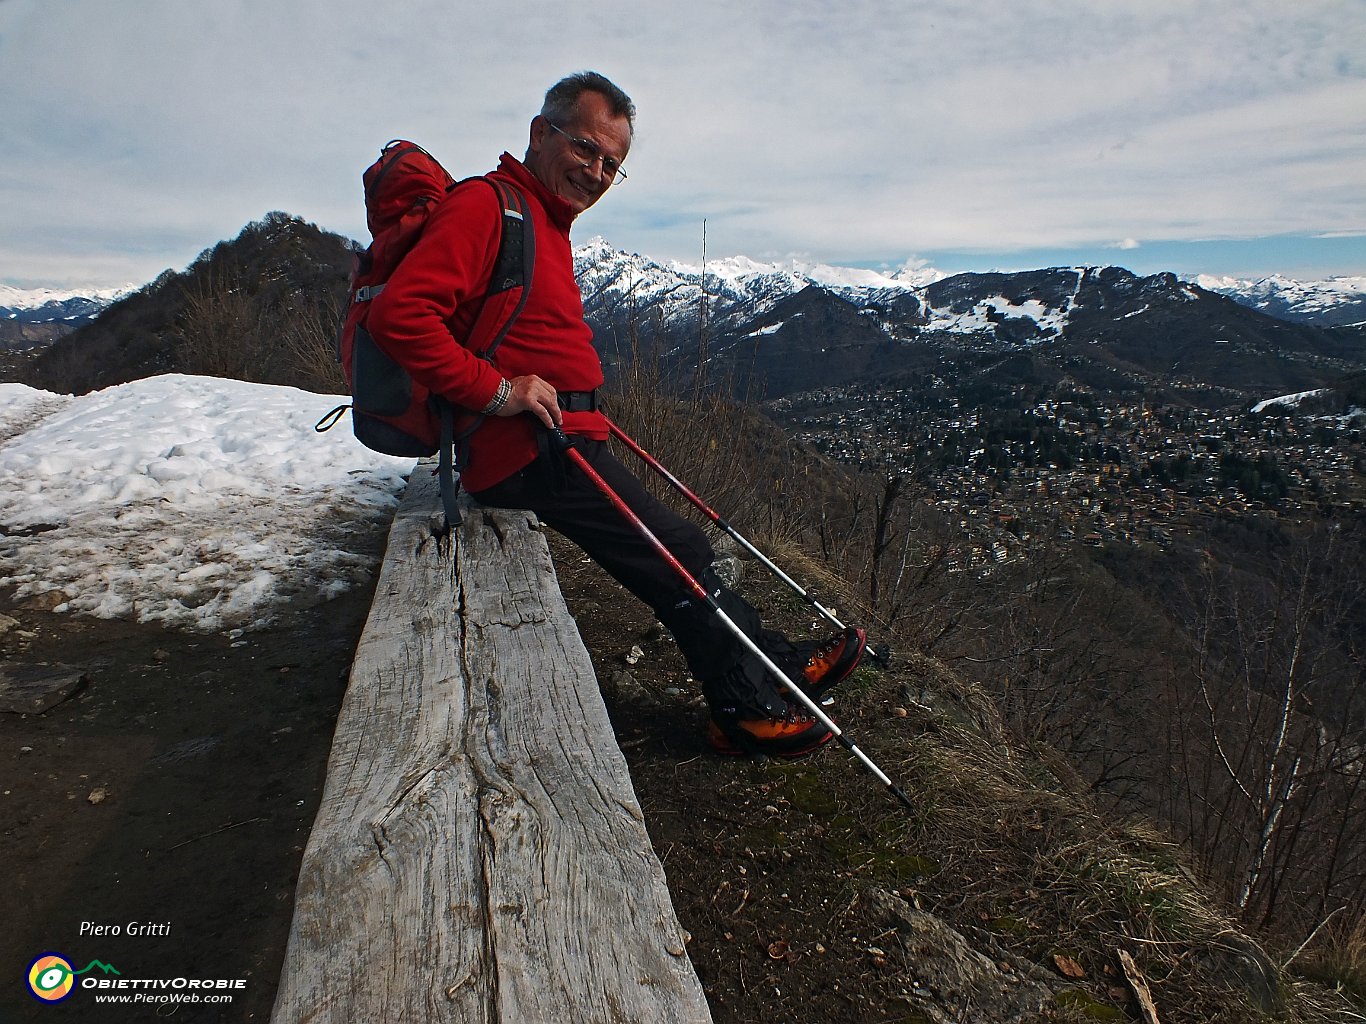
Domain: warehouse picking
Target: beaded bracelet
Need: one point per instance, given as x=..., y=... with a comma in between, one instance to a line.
x=499, y=399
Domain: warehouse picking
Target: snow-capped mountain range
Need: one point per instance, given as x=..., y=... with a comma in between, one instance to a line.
x=632, y=298
x=40, y=304
x=776, y=329
x=738, y=294
x=31, y=318
x=38, y=315
x=1333, y=302
x=738, y=289
x=735, y=288
x=747, y=284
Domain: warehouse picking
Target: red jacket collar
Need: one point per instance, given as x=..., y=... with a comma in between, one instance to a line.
x=559, y=211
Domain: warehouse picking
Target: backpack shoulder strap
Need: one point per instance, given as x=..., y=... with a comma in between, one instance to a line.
x=508, y=291
x=510, y=283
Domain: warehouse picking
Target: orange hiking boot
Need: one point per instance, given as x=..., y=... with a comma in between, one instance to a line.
x=794, y=735
x=833, y=661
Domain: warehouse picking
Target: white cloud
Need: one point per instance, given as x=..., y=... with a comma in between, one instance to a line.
x=850, y=132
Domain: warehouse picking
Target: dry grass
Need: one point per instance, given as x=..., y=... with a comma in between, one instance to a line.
x=1021, y=858
x=1025, y=863
x=1337, y=958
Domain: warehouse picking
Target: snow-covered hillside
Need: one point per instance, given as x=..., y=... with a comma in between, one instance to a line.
x=32, y=298
x=44, y=304
x=200, y=503
x=736, y=290
x=1335, y=301
x=740, y=295
x=1290, y=401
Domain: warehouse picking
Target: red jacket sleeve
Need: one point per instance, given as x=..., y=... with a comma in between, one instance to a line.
x=435, y=293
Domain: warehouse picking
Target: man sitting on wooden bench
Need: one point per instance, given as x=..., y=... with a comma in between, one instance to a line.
x=546, y=373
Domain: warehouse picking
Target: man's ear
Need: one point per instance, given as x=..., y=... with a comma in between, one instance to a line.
x=537, y=132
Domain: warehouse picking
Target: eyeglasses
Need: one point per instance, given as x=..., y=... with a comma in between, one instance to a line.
x=589, y=153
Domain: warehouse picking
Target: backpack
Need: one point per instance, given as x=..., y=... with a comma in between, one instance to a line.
x=390, y=412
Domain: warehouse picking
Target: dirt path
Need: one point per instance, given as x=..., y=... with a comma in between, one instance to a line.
x=174, y=792
x=171, y=796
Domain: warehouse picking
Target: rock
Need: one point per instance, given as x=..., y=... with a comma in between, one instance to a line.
x=724, y=544
x=967, y=709
x=186, y=750
x=97, y=796
x=634, y=655
x=6, y=624
x=45, y=602
x=729, y=570
x=954, y=982
x=628, y=689
x=1242, y=964
x=33, y=689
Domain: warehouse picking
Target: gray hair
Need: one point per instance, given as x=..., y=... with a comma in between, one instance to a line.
x=563, y=97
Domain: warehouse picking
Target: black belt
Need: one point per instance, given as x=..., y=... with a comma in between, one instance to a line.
x=578, y=401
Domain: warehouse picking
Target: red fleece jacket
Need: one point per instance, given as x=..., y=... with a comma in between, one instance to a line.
x=434, y=296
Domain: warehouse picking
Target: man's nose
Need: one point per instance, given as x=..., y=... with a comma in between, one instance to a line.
x=594, y=168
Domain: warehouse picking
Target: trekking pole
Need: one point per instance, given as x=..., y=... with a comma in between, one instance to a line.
x=562, y=444
x=716, y=518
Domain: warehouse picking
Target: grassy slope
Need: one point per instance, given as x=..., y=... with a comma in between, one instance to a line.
x=781, y=871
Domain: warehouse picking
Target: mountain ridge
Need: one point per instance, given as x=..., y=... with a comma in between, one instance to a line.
x=773, y=330
x=1330, y=302
x=1319, y=300
x=785, y=327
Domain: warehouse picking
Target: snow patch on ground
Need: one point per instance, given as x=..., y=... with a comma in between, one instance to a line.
x=979, y=318
x=201, y=503
x=22, y=406
x=1290, y=401
x=770, y=329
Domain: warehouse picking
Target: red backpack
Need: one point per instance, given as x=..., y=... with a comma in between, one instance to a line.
x=391, y=412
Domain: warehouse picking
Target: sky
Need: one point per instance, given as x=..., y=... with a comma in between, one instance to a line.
x=1223, y=137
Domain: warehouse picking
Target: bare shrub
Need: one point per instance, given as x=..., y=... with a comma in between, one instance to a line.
x=1267, y=743
x=306, y=333
x=879, y=548
x=219, y=332
x=696, y=436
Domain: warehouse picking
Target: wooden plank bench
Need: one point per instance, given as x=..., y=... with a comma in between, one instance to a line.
x=479, y=854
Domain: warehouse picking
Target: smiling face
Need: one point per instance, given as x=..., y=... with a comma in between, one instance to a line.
x=551, y=158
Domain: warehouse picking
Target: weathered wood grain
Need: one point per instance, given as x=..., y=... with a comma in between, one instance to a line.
x=479, y=854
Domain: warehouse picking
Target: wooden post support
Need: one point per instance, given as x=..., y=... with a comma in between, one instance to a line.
x=479, y=855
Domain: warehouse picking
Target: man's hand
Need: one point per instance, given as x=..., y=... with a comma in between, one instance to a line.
x=533, y=395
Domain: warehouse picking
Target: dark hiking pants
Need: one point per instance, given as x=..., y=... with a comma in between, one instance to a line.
x=733, y=680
